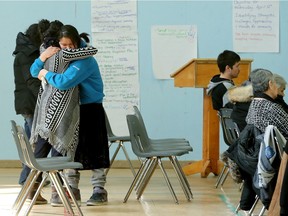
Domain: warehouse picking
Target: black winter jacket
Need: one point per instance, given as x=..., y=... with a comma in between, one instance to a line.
x=26, y=87
x=245, y=150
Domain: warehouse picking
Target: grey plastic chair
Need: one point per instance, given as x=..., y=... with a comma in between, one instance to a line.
x=230, y=132
x=52, y=167
x=179, y=143
x=32, y=173
x=120, y=140
x=142, y=148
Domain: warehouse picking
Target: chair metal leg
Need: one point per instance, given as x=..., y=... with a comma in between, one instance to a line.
x=145, y=173
x=219, y=179
x=262, y=211
x=138, y=174
x=60, y=190
x=183, y=175
x=167, y=181
x=241, y=185
x=44, y=177
x=26, y=192
x=113, y=156
x=181, y=178
x=237, y=208
x=254, y=205
x=24, y=189
x=224, y=177
x=121, y=145
x=146, y=178
x=128, y=159
x=66, y=184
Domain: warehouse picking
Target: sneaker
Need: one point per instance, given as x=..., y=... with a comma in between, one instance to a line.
x=56, y=200
x=77, y=195
x=99, y=197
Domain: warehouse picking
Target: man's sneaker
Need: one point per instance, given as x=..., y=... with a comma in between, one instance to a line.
x=99, y=197
x=56, y=200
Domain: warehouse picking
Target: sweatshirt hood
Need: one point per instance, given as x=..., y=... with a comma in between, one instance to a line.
x=215, y=81
x=24, y=45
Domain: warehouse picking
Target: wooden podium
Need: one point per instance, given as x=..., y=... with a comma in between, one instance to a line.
x=197, y=73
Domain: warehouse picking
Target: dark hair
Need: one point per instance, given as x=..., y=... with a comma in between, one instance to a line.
x=43, y=25
x=50, y=33
x=225, y=58
x=71, y=32
x=33, y=34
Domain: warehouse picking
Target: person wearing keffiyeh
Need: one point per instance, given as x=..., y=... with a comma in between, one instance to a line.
x=56, y=116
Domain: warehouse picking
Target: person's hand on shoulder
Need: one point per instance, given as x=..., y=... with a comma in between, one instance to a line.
x=50, y=51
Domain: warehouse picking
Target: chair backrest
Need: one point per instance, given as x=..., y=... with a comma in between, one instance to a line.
x=108, y=126
x=230, y=129
x=139, y=140
x=140, y=118
x=279, y=140
x=14, y=131
x=29, y=158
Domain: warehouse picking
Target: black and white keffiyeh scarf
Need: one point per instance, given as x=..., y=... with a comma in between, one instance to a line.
x=56, y=115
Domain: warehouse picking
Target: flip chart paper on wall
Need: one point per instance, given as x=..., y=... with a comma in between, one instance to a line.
x=114, y=31
x=172, y=47
x=256, y=26
x=114, y=16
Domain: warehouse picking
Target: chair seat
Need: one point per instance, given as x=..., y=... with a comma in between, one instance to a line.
x=161, y=153
x=118, y=138
x=59, y=165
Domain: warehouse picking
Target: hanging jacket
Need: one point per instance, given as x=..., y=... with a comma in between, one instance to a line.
x=244, y=152
x=269, y=159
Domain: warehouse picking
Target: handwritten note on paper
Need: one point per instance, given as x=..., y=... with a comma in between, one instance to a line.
x=114, y=32
x=114, y=15
x=172, y=47
x=256, y=26
x=118, y=62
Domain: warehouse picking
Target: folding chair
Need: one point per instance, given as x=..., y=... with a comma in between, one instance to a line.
x=142, y=148
x=230, y=133
x=120, y=140
x=52, y=167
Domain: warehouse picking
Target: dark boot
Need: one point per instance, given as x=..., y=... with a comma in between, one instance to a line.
x=40, y=200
